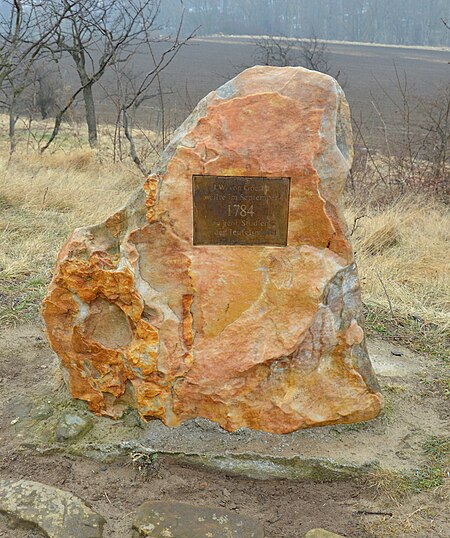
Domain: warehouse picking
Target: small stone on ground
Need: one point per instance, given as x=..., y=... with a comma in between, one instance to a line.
x=321, y=533
x=181, y=520
x=42, y=412
x=71, y=427
x=58, y=513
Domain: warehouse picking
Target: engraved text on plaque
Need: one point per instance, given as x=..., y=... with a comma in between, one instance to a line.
x=230, y=210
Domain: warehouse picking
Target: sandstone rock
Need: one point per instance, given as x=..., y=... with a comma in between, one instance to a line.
x=71, y=427
x=266, y=337
x=58, y=513
x=321, y=533
x=182, y=520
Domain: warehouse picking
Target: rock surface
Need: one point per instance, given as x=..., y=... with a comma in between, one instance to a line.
x=72, y=427
x=182, y=520
x=266, y=337
x=42, y=412
x=321, y=533
x=58, y=513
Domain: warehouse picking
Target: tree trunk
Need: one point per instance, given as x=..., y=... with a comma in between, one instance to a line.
x=91, y=119
x=12, y=126
x=129, y=134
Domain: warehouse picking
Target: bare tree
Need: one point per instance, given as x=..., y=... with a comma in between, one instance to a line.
x=282, y=51
x=134, y=90
x=49, y=90
x=416, y=153
x=94, y=35
x=314, y=55
x=436, y=131
x=277, y=51
x=24, y=38
x=24, y=33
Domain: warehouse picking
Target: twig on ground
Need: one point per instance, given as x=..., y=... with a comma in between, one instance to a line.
x=370, y=513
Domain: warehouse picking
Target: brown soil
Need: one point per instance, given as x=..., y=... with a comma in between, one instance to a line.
x=286, y=508
x=365, y=71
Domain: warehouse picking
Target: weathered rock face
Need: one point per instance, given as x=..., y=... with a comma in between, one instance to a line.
x=267, y=337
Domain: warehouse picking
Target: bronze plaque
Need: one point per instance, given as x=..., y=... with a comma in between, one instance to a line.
x=240, y=210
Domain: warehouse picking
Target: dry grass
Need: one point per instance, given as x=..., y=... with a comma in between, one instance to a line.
x=401, y=249
x=42, y=199
x=401, y=254
x=415, y=515
x=394, y=485
x=73, y=140
x=412, y=501
x=423, y=521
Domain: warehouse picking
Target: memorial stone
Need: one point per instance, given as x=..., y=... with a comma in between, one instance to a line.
x=226, y=288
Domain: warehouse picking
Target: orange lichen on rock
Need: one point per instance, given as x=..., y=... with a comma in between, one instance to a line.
x=151, y=190
x=266, y=337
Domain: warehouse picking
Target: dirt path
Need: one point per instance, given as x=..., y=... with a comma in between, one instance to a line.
x=287, y=508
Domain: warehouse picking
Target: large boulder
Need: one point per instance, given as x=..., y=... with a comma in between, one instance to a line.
x=226, y=288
